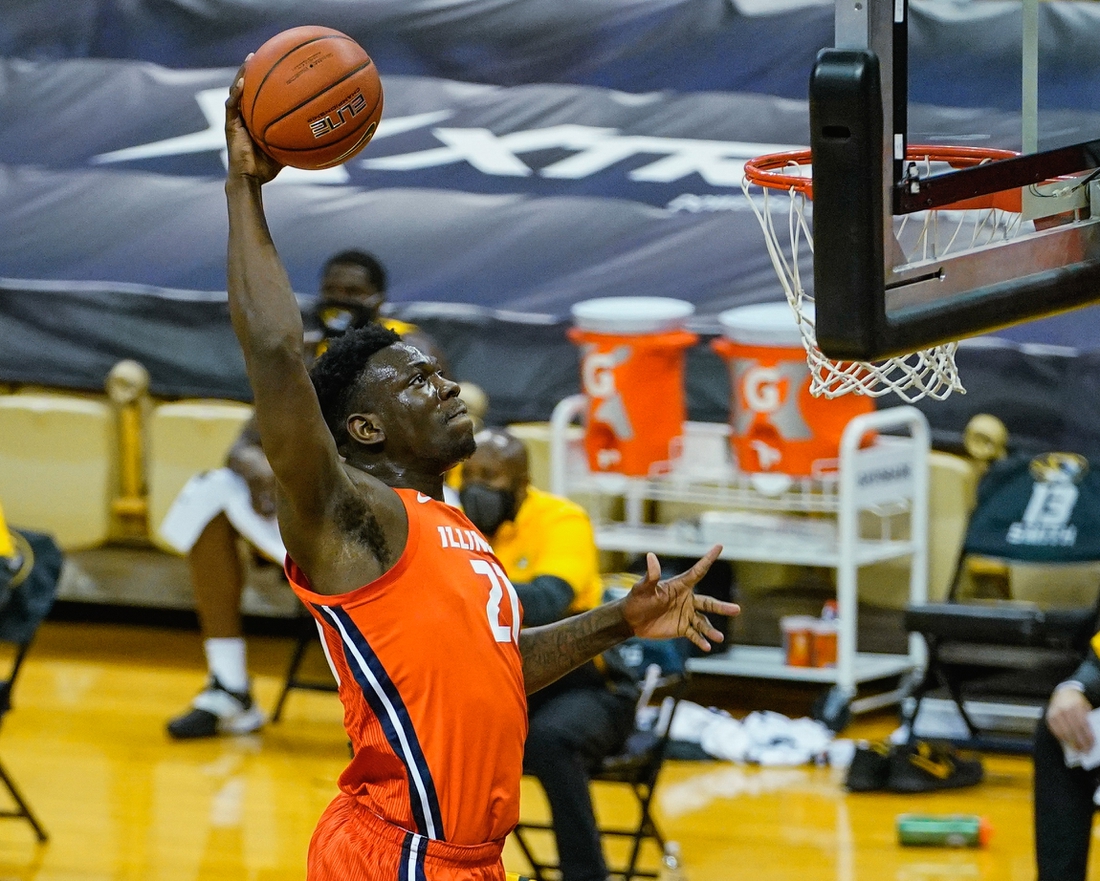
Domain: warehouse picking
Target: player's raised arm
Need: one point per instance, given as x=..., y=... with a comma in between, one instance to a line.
x=268, y=324
x=653, y=609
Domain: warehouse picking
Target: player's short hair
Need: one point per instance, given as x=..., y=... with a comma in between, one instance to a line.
x=376, y=272
x=335, y=375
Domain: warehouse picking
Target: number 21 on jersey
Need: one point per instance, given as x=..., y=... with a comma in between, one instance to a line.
x=498, y=585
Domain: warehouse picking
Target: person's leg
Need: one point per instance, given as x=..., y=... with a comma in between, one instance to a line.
x=1063, y=811
x=570, y=733
x=217, y=579
x=225, y=706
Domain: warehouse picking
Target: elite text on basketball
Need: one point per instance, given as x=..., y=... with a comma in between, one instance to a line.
x=346, y=110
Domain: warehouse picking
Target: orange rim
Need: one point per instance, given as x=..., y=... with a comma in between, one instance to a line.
x=773, y=171
x=763, y=172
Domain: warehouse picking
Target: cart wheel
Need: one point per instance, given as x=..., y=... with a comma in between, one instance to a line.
x=833, y=709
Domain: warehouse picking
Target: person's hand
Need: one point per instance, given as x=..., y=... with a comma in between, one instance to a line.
x=252, y=465
x=245, y=158
x=261, y=487
x=1067, y=718
x=656, y=609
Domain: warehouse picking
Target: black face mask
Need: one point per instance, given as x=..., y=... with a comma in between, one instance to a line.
x=486, y=507
x=337, y=318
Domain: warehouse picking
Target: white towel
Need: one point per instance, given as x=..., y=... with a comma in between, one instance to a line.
x=763, y=738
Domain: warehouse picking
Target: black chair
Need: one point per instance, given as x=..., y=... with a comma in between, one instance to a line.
x=637, y=766
x=294, y=679
x=27, y=593
x=999, y=651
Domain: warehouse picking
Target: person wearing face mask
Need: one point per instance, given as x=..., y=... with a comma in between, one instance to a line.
x=217, y=508
x=547, y=547
x=353, y=291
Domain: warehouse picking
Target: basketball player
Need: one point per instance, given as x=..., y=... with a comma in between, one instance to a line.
x=418, y=618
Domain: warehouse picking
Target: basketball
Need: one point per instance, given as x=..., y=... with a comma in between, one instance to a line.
x=311, y=98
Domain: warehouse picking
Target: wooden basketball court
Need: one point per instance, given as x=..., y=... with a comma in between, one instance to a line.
x=121, y=802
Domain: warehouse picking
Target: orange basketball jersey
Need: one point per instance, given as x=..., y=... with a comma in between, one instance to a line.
x=428, y=664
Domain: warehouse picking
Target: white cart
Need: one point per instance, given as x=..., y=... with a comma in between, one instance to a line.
x=844, y=517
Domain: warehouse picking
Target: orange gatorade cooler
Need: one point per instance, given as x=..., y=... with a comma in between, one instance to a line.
x=775, y=423
x=632, y=372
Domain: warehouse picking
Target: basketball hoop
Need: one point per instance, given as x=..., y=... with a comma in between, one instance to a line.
x=922, y=236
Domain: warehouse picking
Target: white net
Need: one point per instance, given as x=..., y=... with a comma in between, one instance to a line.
x=928, y=373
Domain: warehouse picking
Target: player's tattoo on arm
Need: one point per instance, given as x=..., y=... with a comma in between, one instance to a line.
x=551, y=651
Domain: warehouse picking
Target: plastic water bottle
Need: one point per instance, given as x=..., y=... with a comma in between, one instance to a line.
x=945, y=830
x=671, y=867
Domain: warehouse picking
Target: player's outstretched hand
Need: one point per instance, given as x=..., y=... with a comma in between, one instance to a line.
x=245, y=158
x=657, y=609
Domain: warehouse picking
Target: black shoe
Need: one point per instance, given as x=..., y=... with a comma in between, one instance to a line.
x=925, y=767
x=870, y=767
x=216, y=710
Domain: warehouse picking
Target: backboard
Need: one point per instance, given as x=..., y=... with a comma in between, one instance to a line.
x=875, y=298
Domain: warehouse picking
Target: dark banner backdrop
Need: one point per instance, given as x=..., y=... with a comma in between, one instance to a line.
x=532, y=155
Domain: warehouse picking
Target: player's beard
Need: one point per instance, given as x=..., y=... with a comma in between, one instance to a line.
x=465, y=445
x=450, y=447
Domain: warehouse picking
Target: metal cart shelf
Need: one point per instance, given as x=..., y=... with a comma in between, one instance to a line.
x=842, y=517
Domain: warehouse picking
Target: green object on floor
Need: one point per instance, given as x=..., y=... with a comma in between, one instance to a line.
x=943, y=830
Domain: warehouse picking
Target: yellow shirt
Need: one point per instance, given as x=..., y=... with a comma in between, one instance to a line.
x=395, y=324
x=7, y=548
x=551, y=536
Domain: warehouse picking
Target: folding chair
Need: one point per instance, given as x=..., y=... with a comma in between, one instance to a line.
x=637, y=766
x=26, y=597
x=1006, y=653
x=307, y=636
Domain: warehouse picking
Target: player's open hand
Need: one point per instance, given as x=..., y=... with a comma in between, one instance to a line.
x=657, y=609
x=245, y=158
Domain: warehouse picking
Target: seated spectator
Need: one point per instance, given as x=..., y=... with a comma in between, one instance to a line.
x=1065, y=796
x=548, y=550
x=217, y=508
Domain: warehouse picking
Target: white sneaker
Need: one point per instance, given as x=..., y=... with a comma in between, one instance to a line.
x=216, y=710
